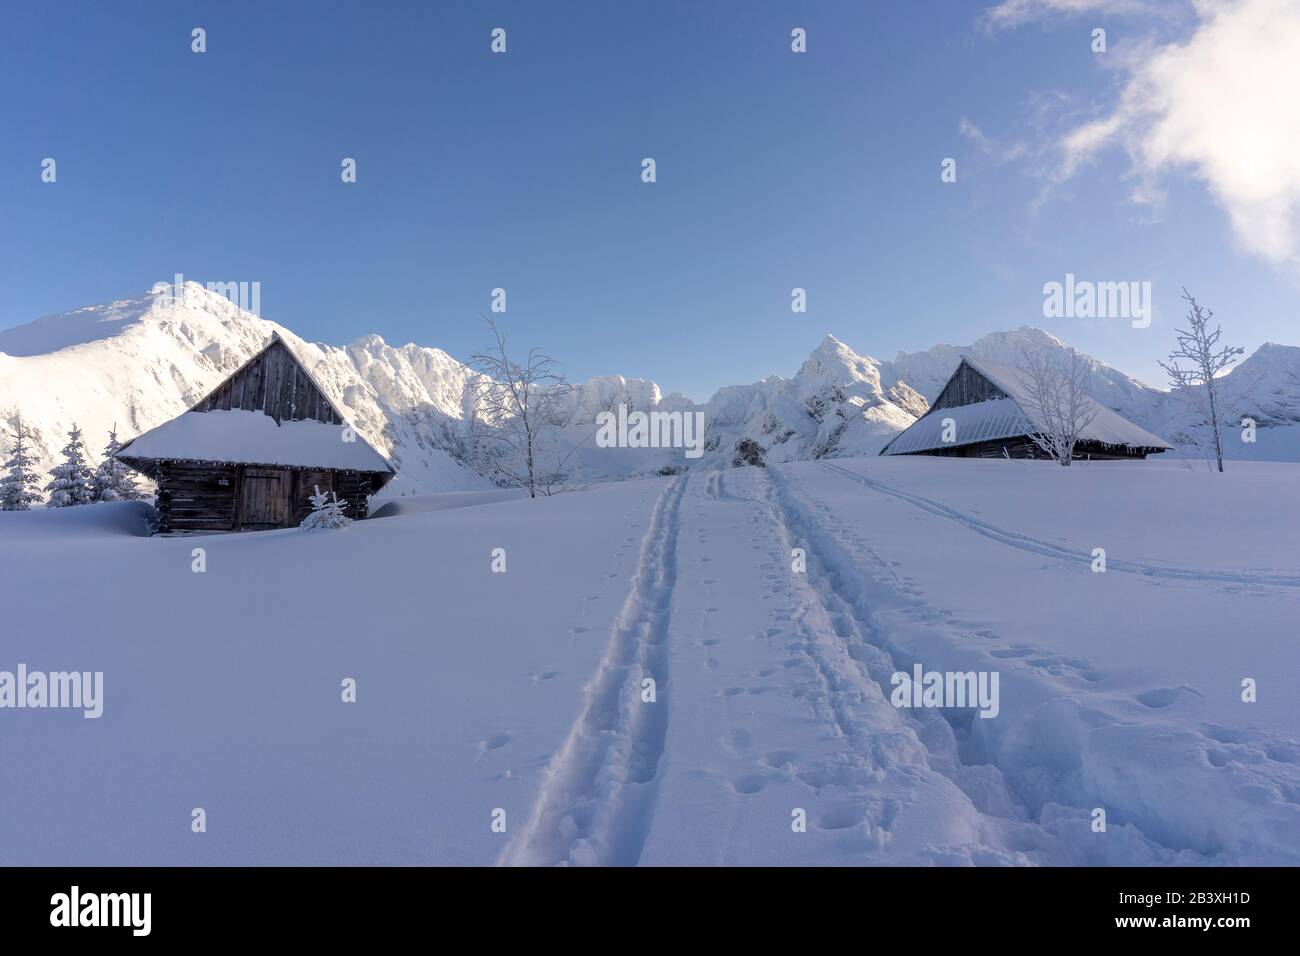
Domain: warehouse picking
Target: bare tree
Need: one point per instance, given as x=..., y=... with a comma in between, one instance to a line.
x=521, y=408
x=1057, y=402
x=1199, y=347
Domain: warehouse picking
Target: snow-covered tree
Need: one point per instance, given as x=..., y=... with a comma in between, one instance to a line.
x=1057, y=402
x=519, y=409
x=1196, y=382
x=20, y=487
x=71, y=480
x=326, y=512
x=113, y=480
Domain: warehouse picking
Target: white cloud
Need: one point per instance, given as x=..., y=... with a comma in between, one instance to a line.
x=1221, y=106
x=1014, y=13
x=1001, y=152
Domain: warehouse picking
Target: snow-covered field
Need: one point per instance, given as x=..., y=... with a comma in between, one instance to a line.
x=522, y=691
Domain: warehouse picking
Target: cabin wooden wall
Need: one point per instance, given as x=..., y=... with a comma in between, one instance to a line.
x=272, y=382
x=194, y=497
x=354, y=487
x=351, y=486
x=214, y=497
x=967, y=387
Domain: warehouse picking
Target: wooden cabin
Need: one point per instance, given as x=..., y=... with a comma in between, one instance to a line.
x=248, y=455
x=987, y=403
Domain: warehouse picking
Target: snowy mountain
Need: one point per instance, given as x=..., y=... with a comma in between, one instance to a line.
x=139, y=362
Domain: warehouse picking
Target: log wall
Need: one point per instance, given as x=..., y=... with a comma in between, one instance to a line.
x=207, y=497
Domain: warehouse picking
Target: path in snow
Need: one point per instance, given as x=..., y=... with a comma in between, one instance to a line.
x=780, y=706
x=778, y=711
x=775, y=711
x=594, y=805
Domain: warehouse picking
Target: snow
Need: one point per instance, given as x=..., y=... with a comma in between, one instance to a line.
x=981, y=421
x=255, y=438
x=418, y=504
x=522, y=691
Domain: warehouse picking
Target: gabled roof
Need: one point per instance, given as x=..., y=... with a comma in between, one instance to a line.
x=269, y=411
x=252, y=438
x=1008, y=418
x=275, y=381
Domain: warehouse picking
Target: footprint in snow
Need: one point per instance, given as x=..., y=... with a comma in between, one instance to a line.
x=1155, y=699
x=840, y=817
x=749, y=784
x=779, y=758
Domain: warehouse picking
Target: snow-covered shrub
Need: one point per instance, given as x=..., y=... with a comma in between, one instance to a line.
x=71, y=480
x=748, y=452
x=326, y=512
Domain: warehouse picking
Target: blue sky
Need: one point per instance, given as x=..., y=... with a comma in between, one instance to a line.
x=775, y=170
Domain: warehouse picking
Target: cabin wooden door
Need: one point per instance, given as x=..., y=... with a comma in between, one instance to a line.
x=265, y=498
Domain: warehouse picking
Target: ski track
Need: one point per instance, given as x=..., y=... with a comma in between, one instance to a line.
x=597, y=800
x=855, y=671
x=1036, y=546
x=1011, y=822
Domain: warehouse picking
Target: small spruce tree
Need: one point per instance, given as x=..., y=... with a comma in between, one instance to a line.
x=20, y=488
x=326, y=512
x=113, y=480
x=70, y=482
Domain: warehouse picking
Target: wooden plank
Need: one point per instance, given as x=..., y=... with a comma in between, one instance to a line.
x=239, y=484
x=301, y=389
x=271, y=392
x=285, y=405
x=251, y=393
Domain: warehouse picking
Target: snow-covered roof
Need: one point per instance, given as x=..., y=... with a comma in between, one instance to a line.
x=253, y=438
x=983, y=421
x=1007, y=418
